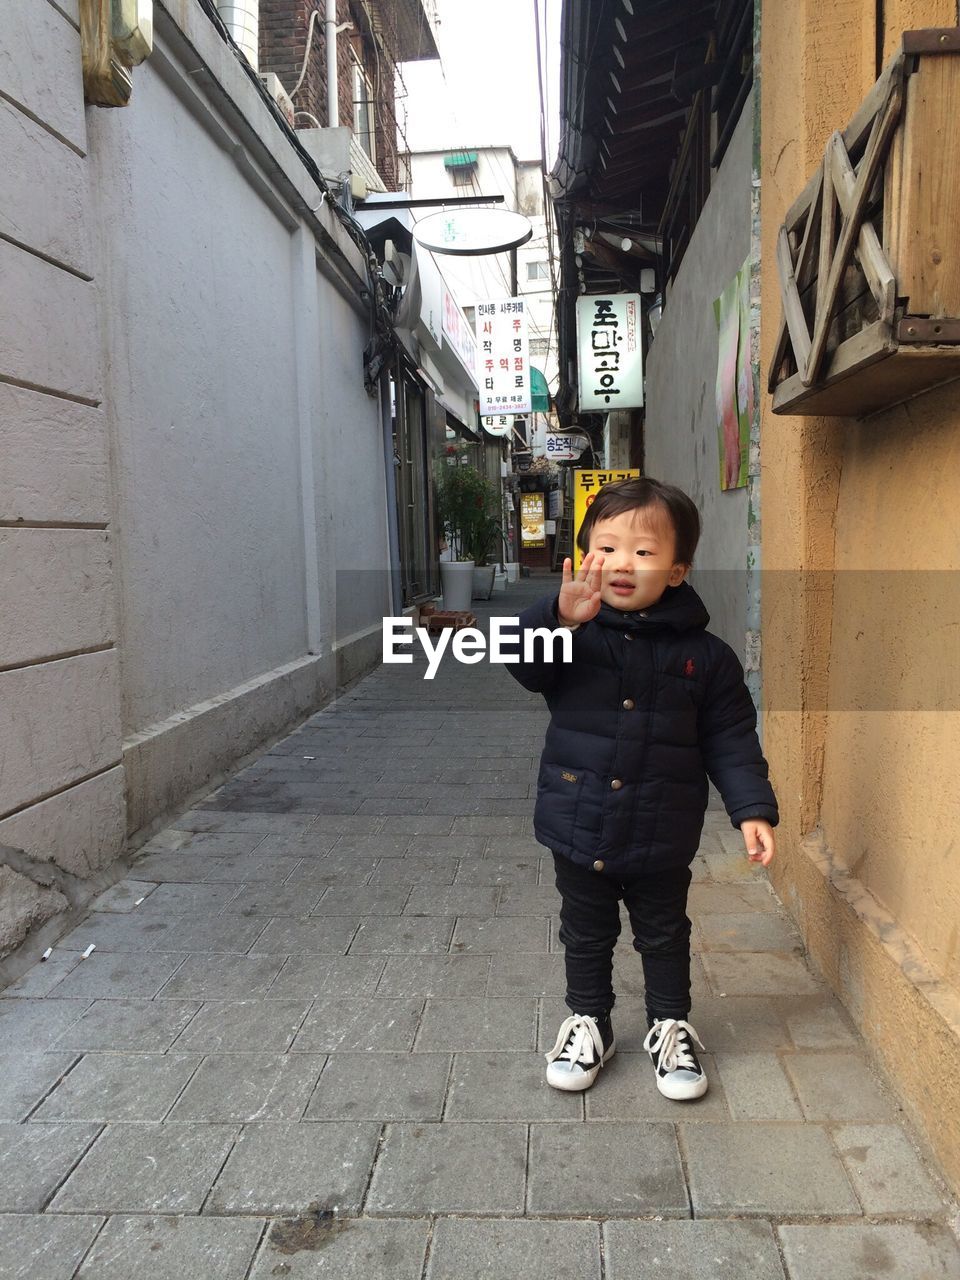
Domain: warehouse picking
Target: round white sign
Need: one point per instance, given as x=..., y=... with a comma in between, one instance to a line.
x=471, y=232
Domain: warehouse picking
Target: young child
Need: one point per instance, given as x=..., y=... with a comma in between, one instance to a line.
x=650, y=705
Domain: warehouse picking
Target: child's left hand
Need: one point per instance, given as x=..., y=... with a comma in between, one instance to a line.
x=758, y=837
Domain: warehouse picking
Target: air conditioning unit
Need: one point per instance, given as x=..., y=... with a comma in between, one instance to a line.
x=279, y=94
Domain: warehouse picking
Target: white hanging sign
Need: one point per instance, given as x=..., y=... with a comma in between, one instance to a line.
x=562, y=448
x=499, y=426
x=503, y=361
x=610, y=351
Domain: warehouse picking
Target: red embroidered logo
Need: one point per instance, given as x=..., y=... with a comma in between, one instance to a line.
x=689, y=668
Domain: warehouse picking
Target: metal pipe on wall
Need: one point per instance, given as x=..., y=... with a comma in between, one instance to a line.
x=330, y=33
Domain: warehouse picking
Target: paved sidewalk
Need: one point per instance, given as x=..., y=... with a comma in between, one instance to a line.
x=314, y=1047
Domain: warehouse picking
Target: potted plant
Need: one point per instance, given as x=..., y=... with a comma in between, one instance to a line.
x=484, y=541
x=465, y=500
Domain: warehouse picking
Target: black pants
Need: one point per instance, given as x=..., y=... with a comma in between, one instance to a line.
x=590, y=926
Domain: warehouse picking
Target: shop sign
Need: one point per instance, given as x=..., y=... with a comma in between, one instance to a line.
x=457, y=331
x=532, y=518
x=586, y=486
x=561, y=448
x=503, y=362
x=610, y=351
x=498, y=426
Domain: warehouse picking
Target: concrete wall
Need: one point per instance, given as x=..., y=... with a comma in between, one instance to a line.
x=187, y=452
x=680, y=433
x=61, y=781
x=860, y=663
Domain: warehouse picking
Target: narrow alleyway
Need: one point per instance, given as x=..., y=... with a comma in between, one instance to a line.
x=309, y=1042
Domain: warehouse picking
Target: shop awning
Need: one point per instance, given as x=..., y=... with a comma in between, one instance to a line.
x=460, y=159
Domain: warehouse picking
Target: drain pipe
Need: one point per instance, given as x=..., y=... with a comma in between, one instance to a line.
x=330, y=31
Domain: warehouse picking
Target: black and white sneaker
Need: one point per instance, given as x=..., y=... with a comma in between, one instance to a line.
x=679, y=1073
x=583, y=1045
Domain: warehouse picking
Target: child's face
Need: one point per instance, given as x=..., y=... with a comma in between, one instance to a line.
x=638, y=549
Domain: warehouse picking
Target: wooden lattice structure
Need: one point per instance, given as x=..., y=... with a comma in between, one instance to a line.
x=869, y=254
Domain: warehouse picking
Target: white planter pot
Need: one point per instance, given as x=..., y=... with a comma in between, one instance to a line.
x=456, y=582
x=513, y=570
x=483, y=581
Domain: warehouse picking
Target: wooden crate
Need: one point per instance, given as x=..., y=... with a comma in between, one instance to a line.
x=869, y=254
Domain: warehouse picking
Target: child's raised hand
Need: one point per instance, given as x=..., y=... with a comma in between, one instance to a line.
x=758, y=837
x=580, y=595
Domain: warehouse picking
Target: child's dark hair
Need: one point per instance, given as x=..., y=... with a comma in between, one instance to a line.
x=619, y=496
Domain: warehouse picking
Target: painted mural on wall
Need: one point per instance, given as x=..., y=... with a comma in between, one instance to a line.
x=734, y=379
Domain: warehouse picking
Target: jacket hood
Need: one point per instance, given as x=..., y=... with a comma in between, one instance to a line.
x=679, y=608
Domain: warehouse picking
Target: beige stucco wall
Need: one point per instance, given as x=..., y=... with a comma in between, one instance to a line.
x=859, y=665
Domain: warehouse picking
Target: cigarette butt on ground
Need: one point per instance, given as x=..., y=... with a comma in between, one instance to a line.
x=46, y=955
x=138, y=901
x=92, y=947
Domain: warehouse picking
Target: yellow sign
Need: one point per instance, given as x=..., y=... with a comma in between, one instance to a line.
x=532, y=532
x=586, y=485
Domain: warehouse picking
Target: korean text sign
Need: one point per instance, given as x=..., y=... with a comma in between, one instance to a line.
x=610, y=351
x=503, y=359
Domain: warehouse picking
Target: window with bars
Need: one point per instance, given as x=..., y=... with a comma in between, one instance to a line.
x=364, y=116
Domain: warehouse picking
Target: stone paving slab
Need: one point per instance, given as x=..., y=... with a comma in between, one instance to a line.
x=627, y=1090
x=347, y=1248
x=837, y=1086
x=381, y=1086
x=757, y=1087
x=447, y=975
x=691, y=1251
x=411, y=870
x=747, y=931
x=110, y=1087
x=213, y=976
x=887, y=1174
x=35, y=1159
x=279, y=1169
x=507, y=935
x=506, y=1086
x=474, y=1024
x=869, y=1251
x=175, y=933
x=103, y=975
x=523, y=974
x=611, y=1169
x=450, y=1168
x=36, y=1024
x=147, y=1168
x=403, y=935
x=497, y=870
x=238, y=1026
x=26, y=1078
x=469, y=1249
x=128, y=1026
x=122, y=896
x=359, y=1026
x=47, y=1247
x=172, y=1248
x=244, y=1087
x=289, y=935
x=745, y=973
x=316, y=975
x=765, y=1169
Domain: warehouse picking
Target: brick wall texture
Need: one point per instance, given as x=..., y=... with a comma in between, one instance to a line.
x=283, y=41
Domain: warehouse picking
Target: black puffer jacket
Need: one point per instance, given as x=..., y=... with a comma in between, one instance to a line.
x=650, y=705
